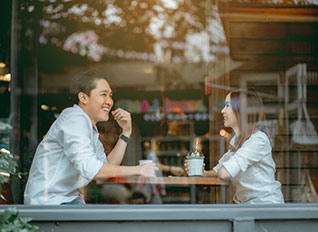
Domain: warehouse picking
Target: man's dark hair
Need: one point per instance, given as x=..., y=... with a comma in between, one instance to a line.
x=85, y=81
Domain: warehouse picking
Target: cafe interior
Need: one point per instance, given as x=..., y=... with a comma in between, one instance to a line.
x=170, y=64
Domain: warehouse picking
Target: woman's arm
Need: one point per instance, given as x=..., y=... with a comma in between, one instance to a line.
x=209, y=173
x=223, y=173
x=252, y=151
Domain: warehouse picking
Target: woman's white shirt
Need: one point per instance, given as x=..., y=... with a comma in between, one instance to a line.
x=252, y=169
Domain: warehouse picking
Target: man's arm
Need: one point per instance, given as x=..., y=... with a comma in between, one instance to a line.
x=123, y=119
x=117, y=154
x=110, y=170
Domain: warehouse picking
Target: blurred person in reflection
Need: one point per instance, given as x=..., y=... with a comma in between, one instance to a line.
x=137, y=198
x=71, y=155
x=151, y=154
x=115, y=193
x=155, y=192
x=248, y=163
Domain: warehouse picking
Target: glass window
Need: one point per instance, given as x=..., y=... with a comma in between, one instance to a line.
x=176, y=67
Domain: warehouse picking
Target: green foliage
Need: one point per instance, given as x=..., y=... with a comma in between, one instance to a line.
x=10, y=222
x=7, y=165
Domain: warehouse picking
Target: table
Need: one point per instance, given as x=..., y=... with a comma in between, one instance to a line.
x=183, y=181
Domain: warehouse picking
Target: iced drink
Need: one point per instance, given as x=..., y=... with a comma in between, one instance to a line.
x=195, y=167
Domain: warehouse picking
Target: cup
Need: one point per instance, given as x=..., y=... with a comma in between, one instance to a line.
x=195, y=167
x=145, y=161
x=141, y=162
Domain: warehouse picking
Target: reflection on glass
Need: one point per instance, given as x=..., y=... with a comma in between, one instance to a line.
x=170, y=64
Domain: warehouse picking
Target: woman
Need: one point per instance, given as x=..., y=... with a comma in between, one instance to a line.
x=248, y=163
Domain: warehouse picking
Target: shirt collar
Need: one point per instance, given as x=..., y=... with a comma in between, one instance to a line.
x=79, y=108
x=233, y=140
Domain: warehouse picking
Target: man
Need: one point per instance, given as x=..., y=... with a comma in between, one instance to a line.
x=71, y=155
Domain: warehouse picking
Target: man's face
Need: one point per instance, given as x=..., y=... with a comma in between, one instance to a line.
x=99, y=102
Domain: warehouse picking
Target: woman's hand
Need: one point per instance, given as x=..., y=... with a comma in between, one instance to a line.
x=123, y=119
x=186, y=167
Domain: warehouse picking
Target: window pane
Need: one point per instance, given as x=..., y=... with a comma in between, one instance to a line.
x=171, y=65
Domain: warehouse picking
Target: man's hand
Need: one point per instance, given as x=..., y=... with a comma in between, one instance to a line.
x=123, y=118
x=148, y=170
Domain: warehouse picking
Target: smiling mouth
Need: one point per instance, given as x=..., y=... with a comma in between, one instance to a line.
x=106, y=110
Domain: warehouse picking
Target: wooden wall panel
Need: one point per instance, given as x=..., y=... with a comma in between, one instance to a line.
x=253, y=30
x=256, y=47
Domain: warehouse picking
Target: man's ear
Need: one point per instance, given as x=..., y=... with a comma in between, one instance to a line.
x=82, y=97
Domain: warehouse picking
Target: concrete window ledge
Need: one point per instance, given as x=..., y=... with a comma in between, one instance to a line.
x=155, y=218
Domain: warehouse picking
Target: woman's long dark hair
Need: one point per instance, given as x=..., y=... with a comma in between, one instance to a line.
x=249, y=110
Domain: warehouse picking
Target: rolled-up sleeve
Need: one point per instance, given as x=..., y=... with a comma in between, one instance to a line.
x=253, y=150
x=100, y=151
x=220, y=163
x=78, y=148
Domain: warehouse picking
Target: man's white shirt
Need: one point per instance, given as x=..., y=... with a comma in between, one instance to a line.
x=68, y=158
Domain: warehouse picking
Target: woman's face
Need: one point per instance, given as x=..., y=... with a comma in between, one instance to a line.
x=230, y=119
